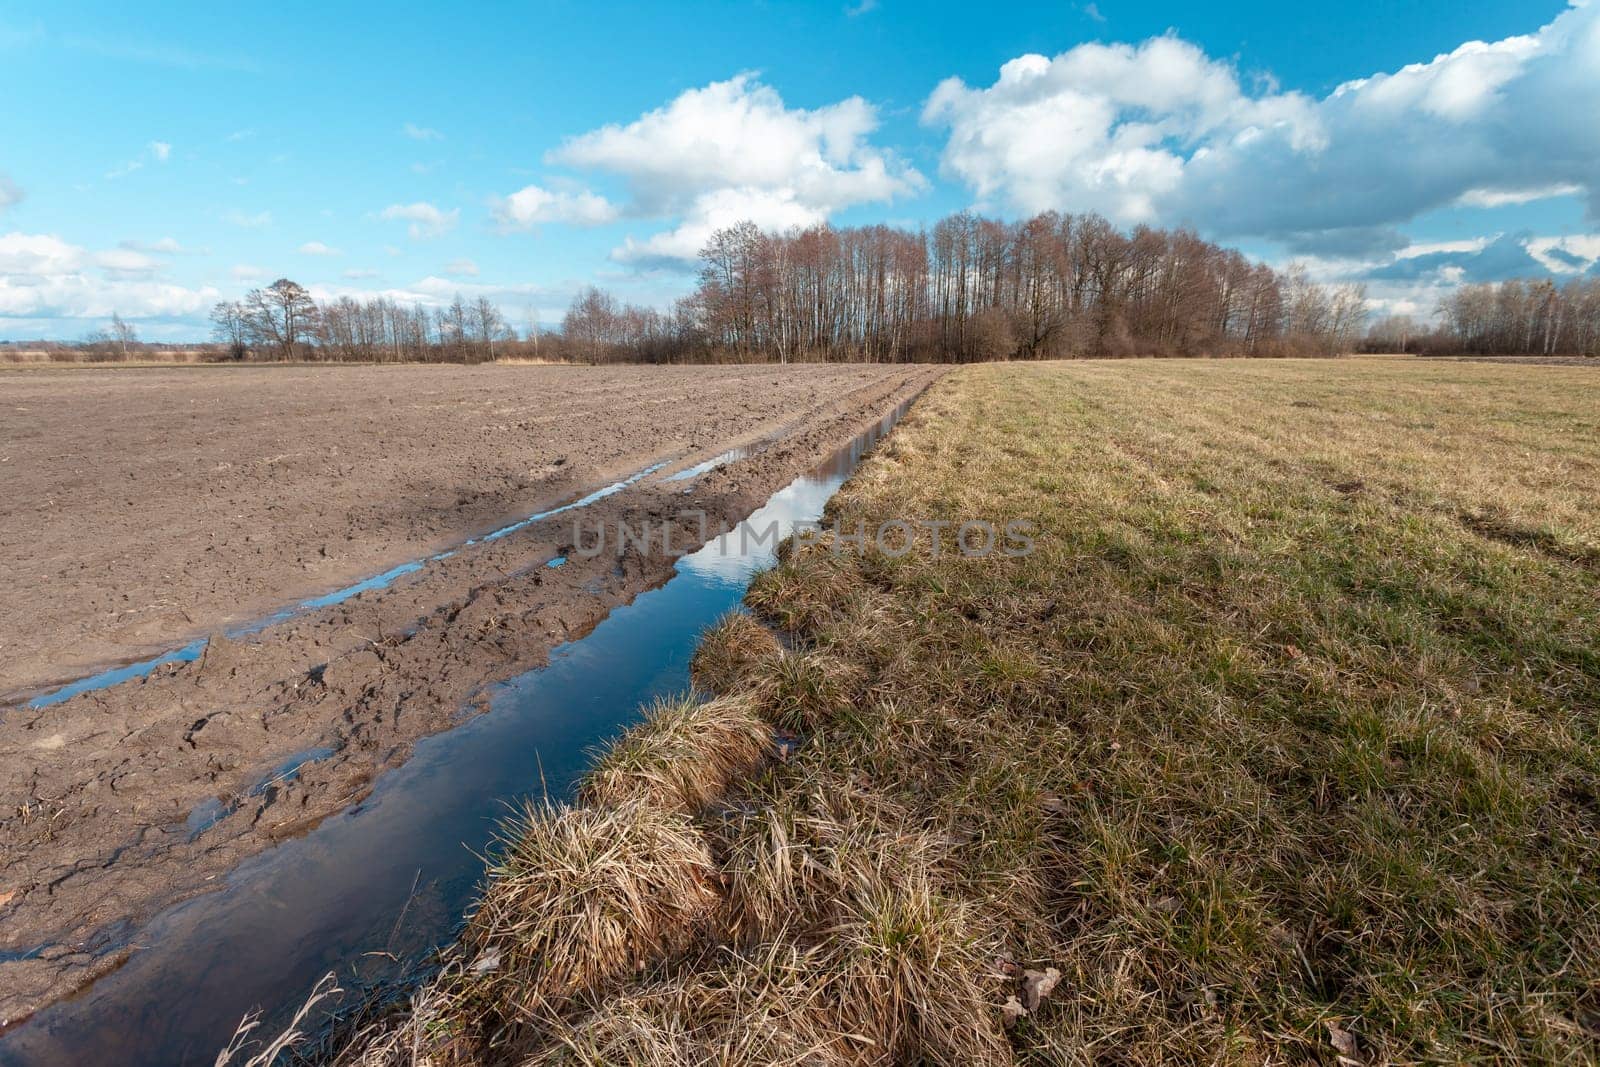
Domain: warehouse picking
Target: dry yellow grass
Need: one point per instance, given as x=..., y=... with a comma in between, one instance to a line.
x=732, y=653
x=580, y=897
x=683, y=756
x=1282, y=747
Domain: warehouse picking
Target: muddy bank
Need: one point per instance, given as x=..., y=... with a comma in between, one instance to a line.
x=143, y=508
x=121, y=801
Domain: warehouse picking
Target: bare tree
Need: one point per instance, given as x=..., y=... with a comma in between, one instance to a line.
x=487, y=325
x=229, y=327
x=123, y=333
x=280, y=316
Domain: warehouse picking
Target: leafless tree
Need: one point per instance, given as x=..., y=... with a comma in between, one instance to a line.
x=280, y=316
x=230, y=328
x=123, y=333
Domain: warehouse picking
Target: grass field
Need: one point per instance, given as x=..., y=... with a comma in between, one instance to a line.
x=1281, y=747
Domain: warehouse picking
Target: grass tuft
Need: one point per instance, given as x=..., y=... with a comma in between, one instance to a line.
x=581, y=897
x=732, y=653
x=682, y=757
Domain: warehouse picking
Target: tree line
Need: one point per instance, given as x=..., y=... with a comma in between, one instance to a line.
x=970, y=288
x=1519, y=317
x=1050, y=287
x=282, y=321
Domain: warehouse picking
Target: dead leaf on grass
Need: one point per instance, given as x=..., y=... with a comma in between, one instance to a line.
x=1344, y=1043
x=1036, y=985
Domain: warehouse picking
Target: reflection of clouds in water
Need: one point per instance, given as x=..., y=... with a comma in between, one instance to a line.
x=734, y=558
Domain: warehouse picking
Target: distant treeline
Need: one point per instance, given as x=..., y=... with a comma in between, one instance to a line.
x=1051, y=287
x=1512, y=318
x=972, y=289
x=1054, y=286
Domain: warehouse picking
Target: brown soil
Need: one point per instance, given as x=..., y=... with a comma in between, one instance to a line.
x=148, y=508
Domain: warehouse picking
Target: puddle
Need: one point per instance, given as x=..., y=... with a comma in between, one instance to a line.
x=732, y=455
x=116, y=675
x=213, y=810
x=192, y=651
x=389, y=879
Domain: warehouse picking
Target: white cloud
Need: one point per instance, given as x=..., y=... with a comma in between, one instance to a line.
x=244, y=272
x=461, y=268
x=317, y=248
x=126, y=263
x=44, y=277
x=250, y=222
x=1103, y=127
x=1163, y=133
x=421, y=133
x=776, y=210
x=160, y=151
x=731, y=143
x=531, y=205
x=37, y=255
x=1492, y=198
x=1573, y=254
x=426, y=220
x=162, y=246
x=546, y=301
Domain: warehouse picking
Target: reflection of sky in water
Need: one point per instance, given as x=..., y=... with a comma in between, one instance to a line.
x=735, y=557
x=711, y=464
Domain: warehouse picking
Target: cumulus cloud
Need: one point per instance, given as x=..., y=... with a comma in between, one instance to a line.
x=1108, y=128
x=770, y=209
x=732, y=146
x=45, y=277
x=317, y=248
x=426, y=220
x=532, y=204
x=1160, y=132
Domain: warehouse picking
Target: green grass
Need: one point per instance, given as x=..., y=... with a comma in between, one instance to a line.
x=1281, y=747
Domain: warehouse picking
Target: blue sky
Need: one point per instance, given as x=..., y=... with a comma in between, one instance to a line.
x=154, y=161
